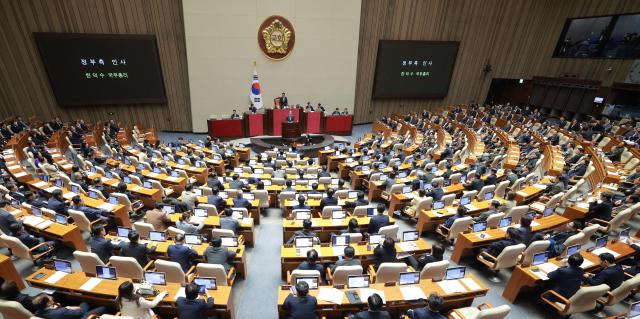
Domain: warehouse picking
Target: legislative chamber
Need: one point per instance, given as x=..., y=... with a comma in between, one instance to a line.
x=181, y=159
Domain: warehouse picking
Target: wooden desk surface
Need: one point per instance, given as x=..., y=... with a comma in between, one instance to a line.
x=327, y=253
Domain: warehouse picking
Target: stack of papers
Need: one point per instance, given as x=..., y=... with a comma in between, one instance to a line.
x=470, y=283
x=55, y=277
x=451, y=286
x=90, y=284
x=106, y=206
x=51, y=189
x=470, y=207
x=246, y=220
x=197, y=220
x=20, y=174
x=330, y=295
x=40, y=184
x=586, y=263
x=521, y=193
x=412, y=293
x=366, y=292
x=548, y=267
x=44, y=224
x=540, y=186
x=407, y=246
x=583, y=205
x=603, y=250
x=540, y=275
x=32, y=220
x=12, y=167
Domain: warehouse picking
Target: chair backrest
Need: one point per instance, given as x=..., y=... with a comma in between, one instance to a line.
x=17, y=247
x=576, y=239
x=211, y=209
x=554, y=200
x=470, y=194
x=263, y=196
x=303, y=273
x=618, y=219
x=174, y=272
x=342, y=193
x=434, y=270
x=459, y=225
x=88, y=261
x=143, y=229
x=354, y=237
x=328, y=210
x=361, y=211
x=341, y=274
x=631, y=164
x=585, y=298
x=284, y=196
x=127, y=267
x=501, y=189
x=172, y=231
x=499, y=312
x=390, y=231
x=588, y=232
x=439, y=181
x=448, y=199
x=517, y=212
x=509, y=256
x=80, y=219
x=390, y=272
x=396, y=189
x=455, y=178
x=493, y=221
x=219, y=232
x=14, y=310
x=624, y=290
x=122, y=199
x=485, y=189
x=424, y=204
x=213, y=270
x=535, y=247
x=517, y=184
x=135, y=180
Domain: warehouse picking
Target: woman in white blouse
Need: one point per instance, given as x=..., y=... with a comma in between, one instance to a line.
x=132, y=305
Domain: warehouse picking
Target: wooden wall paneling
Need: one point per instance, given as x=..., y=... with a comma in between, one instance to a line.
x=25, y=88
x=517, y=37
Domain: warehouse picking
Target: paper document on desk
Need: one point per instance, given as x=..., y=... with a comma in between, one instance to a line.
x=246, y=220
x=583, y=205
x=603, y=250
x=412, y=293
x=55, y=277
x=366, y=292
x=20, y=174
x=90, y=284
x=408, y=196
x=69, y=195
x=196, y=220
x=407, y=246
x=12, y=167
x=470, y=283
x=331, y=295
x=547, y=267
x=106, y=206
x=44, y=224
x=451, y=286
x=32, y=220
x=153, y=175
x=51, y=189
x=540, y=186
x=451, y=210
x=337, y=222
x=534, y=223
x=179, y=294
x=521, y=193
x=171, y=178
x=136, y=188
x=404, y=255
x=470, y=207
x=537, y=206
x=540, y=275
x=40, y=184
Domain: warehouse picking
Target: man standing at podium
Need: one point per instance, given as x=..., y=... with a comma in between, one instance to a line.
x=284, y=101
x=290, y=118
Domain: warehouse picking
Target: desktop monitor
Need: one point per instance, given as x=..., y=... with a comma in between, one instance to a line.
x=438, y=204
x=62, y=265
x=454, y=273
x=335, y=181
x=406, y=189
x=540, y=258
x=409, y=278
x=141, y=166
x=488, y=196
x=411, y=235
x=200, y=212
x=574, y=249
x=198, y=191
x=304, y=242
x=349, y=160
x=548, y=211
x=434, y=169
x=383, y=177
x=259, y=171
x=104, y=272
x=205, y=283
x=180, y=161
x=601, y=241
x=505, y=222
x=229, y=241
x=223, y=195
x=371, y=211
x=311, y=281
x=192, y=239
x=624, y=234
x=155, y=278
x=338, y=214
x=358, y=281
x=61, y=219
x=352, y=195
x=366, y=168
x=463, y=179
x=45, y=178
x=342, y=240
x=479, y=226
x=168, y=209
x=376, y=239
x=465, y=200
x=634, y=310
x=266, y=182
x=303, y=214
x=15, y=203
x=123, y=232
x=157, y=236
x=427, y=186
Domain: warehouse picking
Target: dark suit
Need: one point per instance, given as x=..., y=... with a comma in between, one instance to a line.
x=6, y=219
x=612, y=276
x=436, y=193
x=214, y=182
x=425, y=313
x=372, y=315
x=497, y=247
x=182, y=255
x=216, y=200
x=219, y=256
x=284, y=101
x=241, y=203
x=384, y=255
x=193, y=309
x=601, y=211
x=526, y=234
x=64, y=313
x=300, y=307
x=101, y=247
x=57, y=206
x=328, y=201
x=475, y=185
x=566, y=280
x=377, y=221
x=137, y=251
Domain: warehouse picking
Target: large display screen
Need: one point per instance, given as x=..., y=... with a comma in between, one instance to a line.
x=92, y=69
x=414, y=69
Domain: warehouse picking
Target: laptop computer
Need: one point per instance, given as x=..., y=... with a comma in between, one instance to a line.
x=205, y=283
x=104, y=272
x=540, y=258
x=155, y=278
x=123, y=232
x=302, y=215
x=409, y=278
x=454, y=273
x=479, y=226
x=311, y=281
x=62, y=265
x=411, y=235
x=304, y=242
x=157, y=236
x=192, y=239
x=342, y=240
x=229, y=241
x=376, y=239
x=358, y=281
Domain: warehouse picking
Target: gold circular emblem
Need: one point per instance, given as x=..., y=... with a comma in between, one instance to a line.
x=276, y=37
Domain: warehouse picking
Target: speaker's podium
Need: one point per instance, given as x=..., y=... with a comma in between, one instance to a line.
x=291, y=130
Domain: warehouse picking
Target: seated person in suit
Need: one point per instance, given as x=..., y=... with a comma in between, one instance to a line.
x=375, y=309
x=301, y=305
x=348, y=260
x=10, y=291
x=352, y=227
x=100, y=245
x=437, y=254
x=461, y=212
x=567, y=280
x=312, y=263
x=135, y=249
x=91, y=213
x=336, y=112
x=611, y=274
x=191, y=307
x=46, y=308
x=57, y=202
x=181, y=254
x=430, y=311
x=236, y=183
x=329, y=200
x=29, y=240
x=360, y=201
x=215, y=199
x=289, y=186
x=493, y=208
x=385, y=252
x=216, y=254
x=214, y=182
x=228, y=222
x=241, y=202
x=601, y=209
x=526, y=233
x=512, y=238
x=301, y=203
x=475, y=184
x=436, y=191
x=377, y=221
x=305, y=232
x=184, y=225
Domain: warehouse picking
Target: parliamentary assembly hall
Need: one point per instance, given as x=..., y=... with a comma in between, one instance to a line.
x=319, y=159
